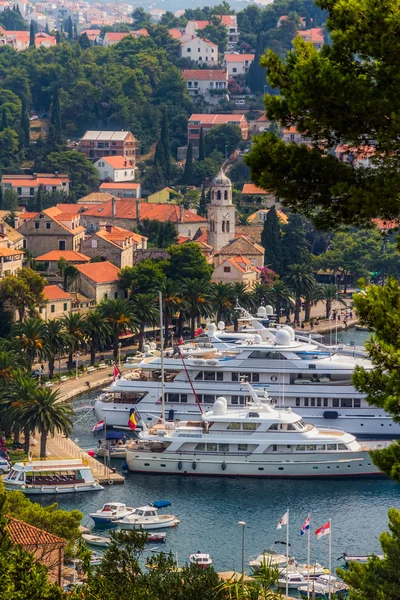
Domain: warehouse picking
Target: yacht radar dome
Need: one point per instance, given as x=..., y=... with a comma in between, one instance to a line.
x=221, y=325
x=146, y=348
x=290, y=331
x=257, y=339
x=269, y=310
x=282, y=338
x=261, y=311
x=219, y=407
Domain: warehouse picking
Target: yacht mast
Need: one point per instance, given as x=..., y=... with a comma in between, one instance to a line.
x=162, y=356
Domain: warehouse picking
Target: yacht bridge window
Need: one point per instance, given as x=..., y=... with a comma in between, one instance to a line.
x=252, y=377
x=173, y=397
x=267, y=355
x=209, y=376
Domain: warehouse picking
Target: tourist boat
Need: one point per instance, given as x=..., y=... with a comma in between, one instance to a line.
x=297, y=372
x=51, y=477
x=360, y=559
x=255, y=440
x=324, y=586
x=147, y=517
x=96, y=540
x=110, y=512
x=200, y=560
x=115, y=444
x=294, y=580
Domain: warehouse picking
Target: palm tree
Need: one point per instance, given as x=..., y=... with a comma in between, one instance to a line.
x=242, y=297
x=120, y=315
x=30, y=335
x=222, y=301
x=282, y=297
x=22, y=389
x=300, y=280
x=330, y=293
x=311, y=298
x=55, y=339
x=44, y=412
x=97, y=332
x=172, y=303
x=196, y=293
x=146, y=310
x=74, y=326
x=261, y=294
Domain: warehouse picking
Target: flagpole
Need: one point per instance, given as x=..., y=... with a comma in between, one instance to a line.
x=330, y=555
x=287, y=556
x=162, y=357
x=308, y=555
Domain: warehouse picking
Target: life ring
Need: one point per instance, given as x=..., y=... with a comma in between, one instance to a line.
x=110, y=482
x=274, y=378
x=223, y=466
x=273, y=401
x=180, y=465
x=194, y=465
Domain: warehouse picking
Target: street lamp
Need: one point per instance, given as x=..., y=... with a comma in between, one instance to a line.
x=243, y=524
x=119, y=353
x=76, y=362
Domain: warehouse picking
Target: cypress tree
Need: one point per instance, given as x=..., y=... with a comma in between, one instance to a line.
x=202, y=146
x=188, y=171
x=31, y=35
x=1, y=198
x=69, y=28
x=4, y=118
x=162, y=157
x=256, y=76
x=295, y=249
x=58, y=38
x=84, y=41
x=47, y=30
x=56, y=115
x=75, y=31
x=271, y=240
x=202, y=203
x=39, y=199
x=25, y=123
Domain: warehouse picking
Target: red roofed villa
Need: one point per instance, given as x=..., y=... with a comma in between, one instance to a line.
x=27, y=185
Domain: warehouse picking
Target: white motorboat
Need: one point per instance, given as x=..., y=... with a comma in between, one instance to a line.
x=200, y=560
x=147, y=517
x=324, y=586
x=111, y=511
x=270, y=557
x=360, y=559
x=96, y=540
x=297, y=372
x=51, y=477
x=256, y=440
x=294, y=580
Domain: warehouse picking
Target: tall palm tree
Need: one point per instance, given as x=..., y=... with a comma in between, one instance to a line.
x=74, y=326
x=300, y=279
x=97, y=332
x=282, y=297
x=22, y=389
x=311, y=298
x=55, y=339
x=242, y=297
x=196, y=293
x=30, y=335
x=172, y=303
x=222, y=301
x=261, y=294
x=120, y=315
x=330, y=292
x=44, y=412
x=146, y=310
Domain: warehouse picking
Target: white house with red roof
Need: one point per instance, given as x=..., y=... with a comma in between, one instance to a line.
x=210, y=83
x=114, y=37
x=58, y=303
x=229, y=21
x=122, y=190
x=290, y=134
x=115, y=168
x=237, y=64
x=27, y=185
x=199, y=50
x=315, y=35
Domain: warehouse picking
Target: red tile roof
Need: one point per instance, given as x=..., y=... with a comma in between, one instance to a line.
x=101, y=272
x=118, y=162
x=126, y=209
x=27, y=535
x=314, y=35
x=70, y=255
x=205, y=75
x=119, y=186
x=35, y=180
x=175, y=33
x=53, y=292
x=10, y=252
x=71, y=209
x=213, y=119
x=238, y=57
x=250, y=188
x=383, y=224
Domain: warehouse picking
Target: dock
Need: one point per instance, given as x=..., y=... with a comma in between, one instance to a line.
x=64, y=448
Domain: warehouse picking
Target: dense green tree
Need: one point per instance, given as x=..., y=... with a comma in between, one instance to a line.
x=202, y=205
x=216, y=32
x=223, y=301
x=6, y=319
x=202, y=145
x=82, y=174
x=4, y=118
x=56, y=115
x=32, y=35
x=223, y=138
x=300, y=279
x=312, y=296
x=11, y=20
x=141, y=19
x=187, y=261
x=330, y=293
x=145, y=308
x=84, y=41
x=256, y=76
x=74, y=325
x=9, y=144
x=153, y=180
x=97, y=332
x=172, y=304
x=25, y=124
x=295, y=248
x=10, y=200
x=198, y=300
x=69, y=28
x=145, y=277
x=46, y=29
x=55, y=339
x=188, y=175
x=30, y=335
x=205, y=170
x=39, y=199
x=160, y=234
x=23, y=292
x=271, y=240
x=282, y=297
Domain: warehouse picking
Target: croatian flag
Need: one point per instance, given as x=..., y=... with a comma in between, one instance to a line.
x=99, y=426
x=306, y=526
x=324, y=530
x=284, y=520
x=116, y=372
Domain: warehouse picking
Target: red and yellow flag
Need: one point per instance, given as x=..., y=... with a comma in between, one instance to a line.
x=132, y=423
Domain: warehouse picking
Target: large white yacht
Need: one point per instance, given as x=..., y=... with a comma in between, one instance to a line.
x=254, y=440
x=297, y=372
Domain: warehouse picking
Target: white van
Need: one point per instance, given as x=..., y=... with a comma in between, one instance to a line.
x=4, y=465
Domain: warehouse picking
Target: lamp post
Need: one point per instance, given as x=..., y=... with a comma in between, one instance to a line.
x=119, y=353
x=243, y=524
x=76, y=362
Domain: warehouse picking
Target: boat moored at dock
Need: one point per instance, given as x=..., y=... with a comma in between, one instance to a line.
x=146, y=518
x=111, y=511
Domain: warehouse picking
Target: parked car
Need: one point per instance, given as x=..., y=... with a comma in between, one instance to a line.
x=4, y=466
x=240, y=102
x=33, y=118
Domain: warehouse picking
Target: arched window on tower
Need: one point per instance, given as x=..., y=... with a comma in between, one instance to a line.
x=223, y=226
x=227, y=227
x=219, y=195
x=226, y=195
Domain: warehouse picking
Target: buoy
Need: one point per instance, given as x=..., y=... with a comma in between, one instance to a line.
x=223, y=466
x=180, y=465
x=125, y=466
x=194, y=465
x=91, y=453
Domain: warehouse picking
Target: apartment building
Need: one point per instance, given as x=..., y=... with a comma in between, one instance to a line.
x=97, y=144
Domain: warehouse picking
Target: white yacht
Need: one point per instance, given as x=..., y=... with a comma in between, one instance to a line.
x=254, y=440
x=147, y=517
x=297, y=372
x=325, y=586
x=51, y=477
x=111, y=511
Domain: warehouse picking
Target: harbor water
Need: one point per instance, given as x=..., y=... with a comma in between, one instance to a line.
x=210, y=508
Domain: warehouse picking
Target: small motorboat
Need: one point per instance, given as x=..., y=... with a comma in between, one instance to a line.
x=200, y=560
x=325, y=586
x=312, y=571
x=362, y=560
x=115, y=444
x=96, y=540
x=294, y=580
x=147, y=517
x=95, y=559
x=271, y=557
x=110, y=512
x=160, y=536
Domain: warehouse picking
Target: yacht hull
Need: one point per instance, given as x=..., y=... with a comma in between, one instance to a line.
x=317, y=465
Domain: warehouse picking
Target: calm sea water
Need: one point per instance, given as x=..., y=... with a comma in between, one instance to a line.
x=210, y=508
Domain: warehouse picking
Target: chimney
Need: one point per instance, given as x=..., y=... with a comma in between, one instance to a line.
x=138, y=210
x=108, y=228
x=181, y=209
x=113, y=208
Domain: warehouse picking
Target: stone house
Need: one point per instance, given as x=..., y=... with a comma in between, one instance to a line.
x=242, y=247
x=51, y=229
x=99, y=281
x=59, y=303
x=114, y=244
x=45, y=547
x=14, y=238
x=235, y=269
x=254, y=196
x=10, y=258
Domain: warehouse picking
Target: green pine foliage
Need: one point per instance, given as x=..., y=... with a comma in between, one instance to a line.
x=32, y=35
x=25, y=124
x=271, y=240
x=202, y=146
x=295, y=249
x=188, y=174
x=256, y=76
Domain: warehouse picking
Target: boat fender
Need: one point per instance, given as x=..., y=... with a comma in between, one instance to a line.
x=194, y=465
x=223, y=466
x=110, y=482
x=125, y=466
x=56, y=490
x=75, y=488
x=180, y=465
x=274, y=378
x=41, y=489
